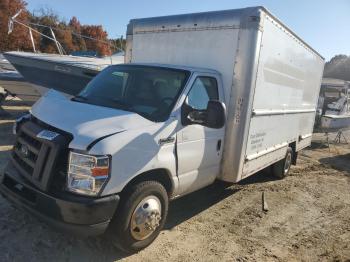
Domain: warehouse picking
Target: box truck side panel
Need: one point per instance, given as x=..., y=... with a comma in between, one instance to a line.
x=287, y=87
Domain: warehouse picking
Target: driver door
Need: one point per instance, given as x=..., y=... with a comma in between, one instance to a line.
x=199, y=148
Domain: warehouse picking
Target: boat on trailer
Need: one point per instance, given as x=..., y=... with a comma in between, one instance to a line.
x=333, y=105
x=64, y=73
x=68, y=74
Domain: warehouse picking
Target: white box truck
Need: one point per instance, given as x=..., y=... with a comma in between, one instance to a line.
x=205, y=96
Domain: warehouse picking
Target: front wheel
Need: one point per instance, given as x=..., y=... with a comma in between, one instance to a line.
x=141, y=216
x=281, y=168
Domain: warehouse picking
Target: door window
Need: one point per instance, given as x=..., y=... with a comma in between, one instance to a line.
x=203, y=90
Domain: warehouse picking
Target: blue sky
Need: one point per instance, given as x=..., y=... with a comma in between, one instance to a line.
x=324, y=24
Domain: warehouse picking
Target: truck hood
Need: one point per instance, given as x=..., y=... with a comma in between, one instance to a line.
x=85, y=122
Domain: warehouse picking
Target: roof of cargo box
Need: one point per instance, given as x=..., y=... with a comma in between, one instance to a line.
x=228, y=19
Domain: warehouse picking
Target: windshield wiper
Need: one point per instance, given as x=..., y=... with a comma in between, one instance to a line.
x=114, y=102
x=79, y=98
x=121, y=104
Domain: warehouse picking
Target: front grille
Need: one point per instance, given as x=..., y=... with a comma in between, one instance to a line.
x=36, y=158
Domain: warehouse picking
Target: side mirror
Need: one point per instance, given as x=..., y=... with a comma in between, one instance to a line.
x=214, y=116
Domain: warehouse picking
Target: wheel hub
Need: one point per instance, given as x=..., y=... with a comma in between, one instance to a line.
x=146, y=218
x=287, y=163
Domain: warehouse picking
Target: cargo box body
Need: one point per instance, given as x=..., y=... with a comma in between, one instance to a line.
x=271, y=78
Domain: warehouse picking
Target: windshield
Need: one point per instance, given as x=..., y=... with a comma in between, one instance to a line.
x=146, y=90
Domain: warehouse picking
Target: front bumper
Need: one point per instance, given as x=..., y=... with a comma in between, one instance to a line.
x=83, y=216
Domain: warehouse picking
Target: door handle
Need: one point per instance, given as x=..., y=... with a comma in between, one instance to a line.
x=218, y=145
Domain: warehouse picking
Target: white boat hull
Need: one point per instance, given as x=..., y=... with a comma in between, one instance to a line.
x=335, y=122
x=64, y=73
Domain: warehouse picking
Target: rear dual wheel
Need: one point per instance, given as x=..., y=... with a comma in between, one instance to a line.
x=281, y=168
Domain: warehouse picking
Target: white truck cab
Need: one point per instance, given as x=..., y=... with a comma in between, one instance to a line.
x=217, y=95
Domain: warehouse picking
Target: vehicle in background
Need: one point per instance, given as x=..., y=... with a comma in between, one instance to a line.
x=204, y=96
x=65, y=73
x=333, y=105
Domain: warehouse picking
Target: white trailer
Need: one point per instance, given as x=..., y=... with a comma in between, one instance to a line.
x=217, y=95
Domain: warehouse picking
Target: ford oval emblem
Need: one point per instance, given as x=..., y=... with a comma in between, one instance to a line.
x=47, y=134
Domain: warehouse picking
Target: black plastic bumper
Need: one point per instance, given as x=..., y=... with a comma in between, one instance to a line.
x=78, y=215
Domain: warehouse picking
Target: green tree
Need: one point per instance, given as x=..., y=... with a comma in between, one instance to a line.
x=338, y=67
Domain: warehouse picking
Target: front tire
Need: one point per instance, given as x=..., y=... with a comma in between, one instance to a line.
x=281, y=168
x=141, y=216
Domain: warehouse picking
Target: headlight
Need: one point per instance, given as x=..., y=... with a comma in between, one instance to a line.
x=87, y=174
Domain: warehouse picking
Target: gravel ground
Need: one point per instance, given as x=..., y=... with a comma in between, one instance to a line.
x=308, y=217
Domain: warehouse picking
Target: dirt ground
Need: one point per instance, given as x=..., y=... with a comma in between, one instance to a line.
x=308, y=217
